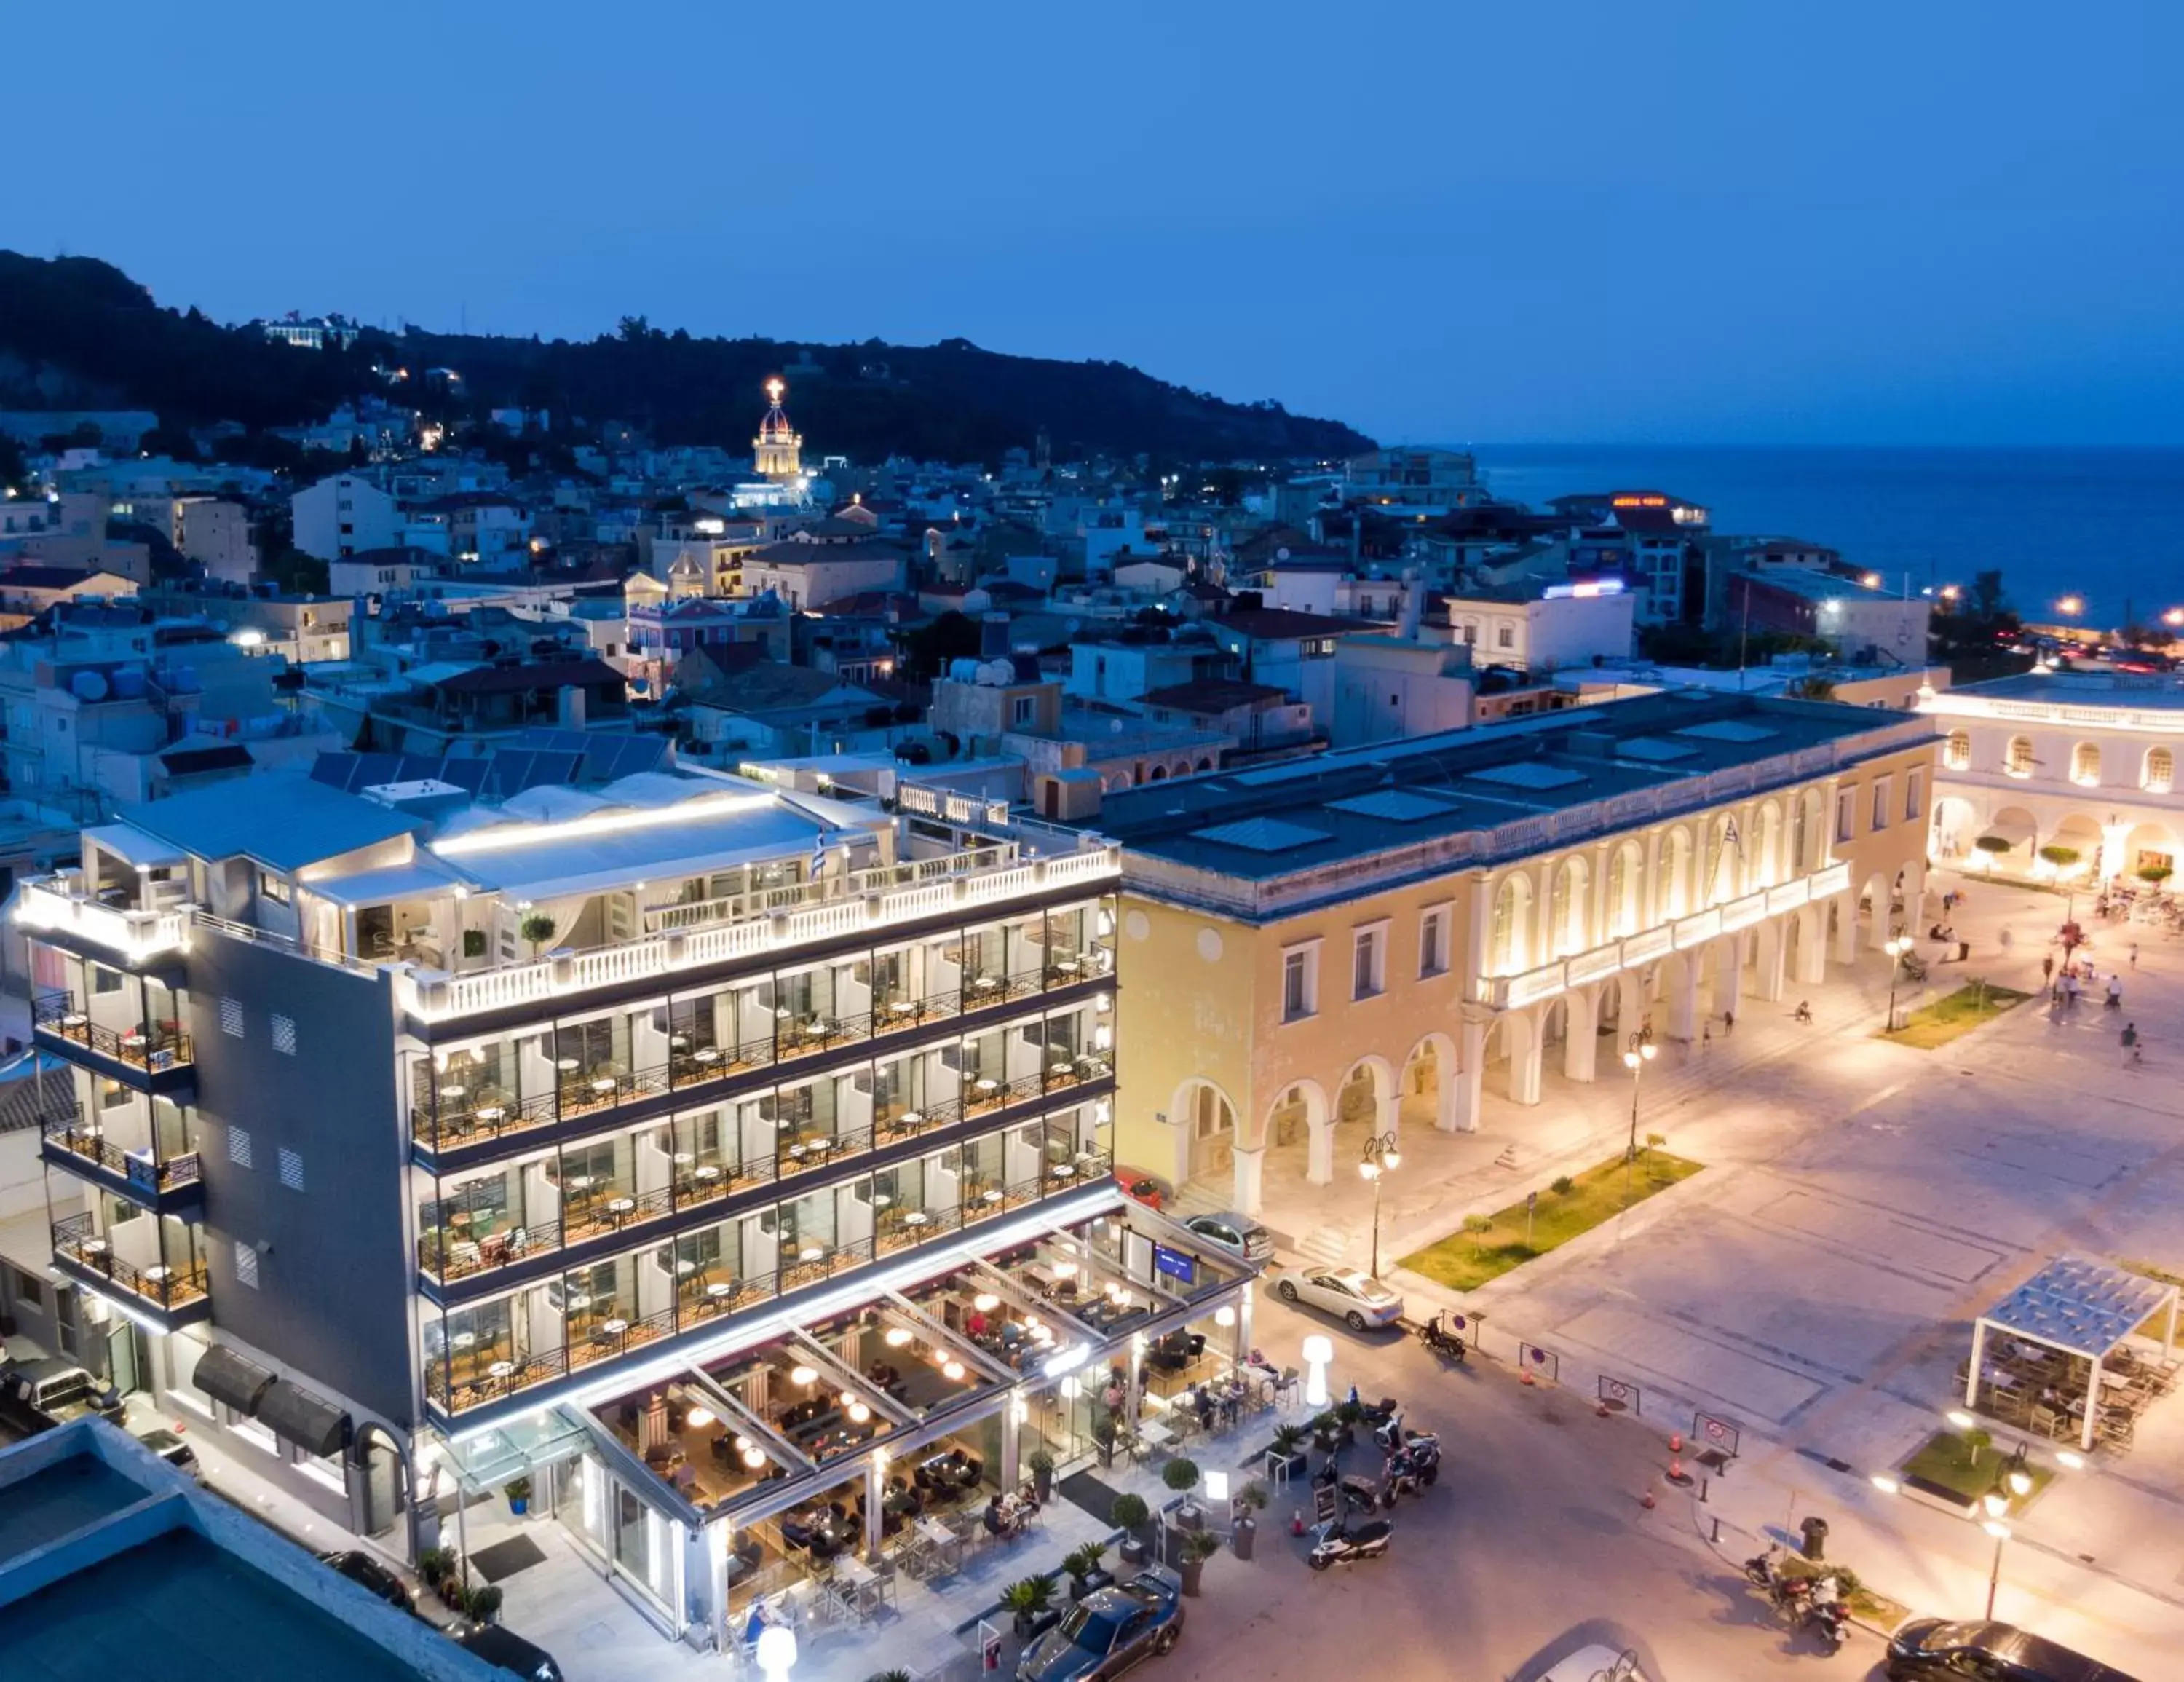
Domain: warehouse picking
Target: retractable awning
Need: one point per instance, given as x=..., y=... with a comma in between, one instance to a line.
x=310, y=1421
x=228, y=1376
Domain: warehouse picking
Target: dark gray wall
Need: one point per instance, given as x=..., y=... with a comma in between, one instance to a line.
x=333, y=1298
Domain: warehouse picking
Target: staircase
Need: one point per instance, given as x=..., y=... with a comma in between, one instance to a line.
x=1324, y=1247
x=1196, y=1197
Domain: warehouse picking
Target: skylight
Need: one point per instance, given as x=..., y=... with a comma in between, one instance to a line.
x=1262, y=835
x=1527, y=774
x=1392, y=805
x=1730, y=730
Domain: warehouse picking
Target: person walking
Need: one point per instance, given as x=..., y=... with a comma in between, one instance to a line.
x=2006, y=939
x=2134, y=955
x=2047, y=968
x=1728, y=1023
x=1706, y=1035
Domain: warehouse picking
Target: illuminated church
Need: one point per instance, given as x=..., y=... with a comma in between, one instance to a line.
x=777, y=454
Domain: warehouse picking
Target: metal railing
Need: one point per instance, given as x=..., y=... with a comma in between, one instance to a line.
x=168, y=1287
x=164, y=1046
x=79, y=1138
x=59, y=901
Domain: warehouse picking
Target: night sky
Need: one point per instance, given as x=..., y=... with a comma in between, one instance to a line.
x=1953, y=222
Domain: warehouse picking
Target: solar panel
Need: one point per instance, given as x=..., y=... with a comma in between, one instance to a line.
x=1652, y=750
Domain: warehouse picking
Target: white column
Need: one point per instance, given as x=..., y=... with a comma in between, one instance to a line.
x=1524, y=1067
x=1650, y=898
x=1319, y=1159
x=1471, y=1040
x=1581, y=1042
x=1845, y=904
x=1979, y=1353
x=1444, y=1089
x=1387, y=1114
x=1731, y=970
x=2093, y=1407
x=1767, y=978
x=876, y=1488
x=1812, y=965
x=1250, y=1171
x=1683, y=1000
x=1012, y=1468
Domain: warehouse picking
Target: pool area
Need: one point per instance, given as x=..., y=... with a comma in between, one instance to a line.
x=60, y=1501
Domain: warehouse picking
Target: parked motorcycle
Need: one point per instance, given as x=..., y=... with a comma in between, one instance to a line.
x=1825, y=1611
x=1785, y=1593
x=1357, y=1491
x=1400, y=1477
x=1344, y=1544
x=1422, y=1447
x=1444, y=1339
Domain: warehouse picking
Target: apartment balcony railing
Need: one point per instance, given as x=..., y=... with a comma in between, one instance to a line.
x=163, y=1286
x=486, y=1114
x=163, y=1046
x=88, y=1140
x=433, y=997
x=475, y=1376
x=58, y=902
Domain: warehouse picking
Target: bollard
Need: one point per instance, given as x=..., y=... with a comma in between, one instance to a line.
x=1601, y=1408
x=1705, y=1483
x=1715, y=1535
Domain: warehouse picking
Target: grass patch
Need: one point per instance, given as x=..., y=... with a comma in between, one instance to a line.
x=1947, y=1459
x=1878, y=1610
x=1488, y=1249
x=1960, y=1012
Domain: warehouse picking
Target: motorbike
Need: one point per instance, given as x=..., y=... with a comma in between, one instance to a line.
x=1784, y=1592
x=1825, y=1611
x=1379, y=1413
x=1444, y=1340
x=1357, y=1491
x=1422, y=1447
x=1400, y=1477
x=1343, y=1544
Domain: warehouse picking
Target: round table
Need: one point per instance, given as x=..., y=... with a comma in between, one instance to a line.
x=604, y=1084
x=568, y=1066
x=911, y=1119
x=986, y=1085
x=993, y=1196
x=709, y=1171
x=683, y=1159
x=614, y=1329
x=918, y=1217
x=501, y=1369
x=718, y=1289
x=810, y=1253
x=454, y=1088
x=1063, y=1171
x=620, y=1207
x=463, y=1340
x=94, y=1246
x=489, y=1113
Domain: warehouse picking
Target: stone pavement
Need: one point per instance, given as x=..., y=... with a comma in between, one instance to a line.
x=1863, y=1201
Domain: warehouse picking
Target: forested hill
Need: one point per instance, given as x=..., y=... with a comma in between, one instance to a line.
x=76, y=332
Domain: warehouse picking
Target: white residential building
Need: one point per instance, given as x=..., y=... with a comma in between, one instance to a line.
x=1543, y=628
x=344, y=516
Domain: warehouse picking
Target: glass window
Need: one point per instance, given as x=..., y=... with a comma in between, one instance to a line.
x=1368, y=974
x=2086, y=765
x=1881, y=807
x=1433, y=942
x=1957, y=752
x=1914, y=795
x=1299, y=983
x=1846, y=815
x=2160, y=771
x=2017, y=760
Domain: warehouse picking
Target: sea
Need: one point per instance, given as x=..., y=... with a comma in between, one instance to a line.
x=2104, y=525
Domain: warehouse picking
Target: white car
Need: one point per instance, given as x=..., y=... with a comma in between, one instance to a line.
x=1596, y=1663
x=1358, y=1300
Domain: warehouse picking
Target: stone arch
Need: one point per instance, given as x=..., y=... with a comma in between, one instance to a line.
x=1569, y=904
x=1675, y=895
x=1875, y=912
x=2157, y=771
x=1724, y=863
x=1678, y=979
x=1955, y=825
x=1620, y=1001
x=1428, y=1091
x=2148, y=846
x=2085, y=764
x=1581, y=1033
x=1160, y=773
x=1621, y=912
x=1956, y=750
x=1204, y=1117
x=1205, y=766
x=1508, y=950
x=1301, y=1112
x=1767, y=866
x=2083, y=835
x=1367, y=1095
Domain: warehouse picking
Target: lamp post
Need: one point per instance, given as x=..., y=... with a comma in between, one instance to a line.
x=1997, y=1504
x=1380, y=1156
x=1896, y=946
x=1637, y=1051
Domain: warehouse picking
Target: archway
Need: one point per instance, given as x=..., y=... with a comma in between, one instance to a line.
x=1208, y=1121
x=2149, y=847
x=1508, y=950
x=383, y=1493
x=1768, y=867
x=1875, y=912
x=1298, y=1117
x=2009, y=842
x=2080, y=835
x=1580, y=1027
x=1429, y=1083
x=1674, y=898
x=1955, y=827
x=1368, y=1096
x=1516, y=1038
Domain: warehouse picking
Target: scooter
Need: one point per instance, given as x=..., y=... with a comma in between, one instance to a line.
x=1342, y=1543
x=1357, y=1491
x=1825, y=1611
x=1377, y=1414
x=1444, y=1340
x=1400, y=1477
x=1785, y=1593
x=1423, y=1448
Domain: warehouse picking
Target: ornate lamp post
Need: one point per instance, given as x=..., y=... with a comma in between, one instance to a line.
x=1896, y=946
x=1637, y=1051
x=1380, y=1157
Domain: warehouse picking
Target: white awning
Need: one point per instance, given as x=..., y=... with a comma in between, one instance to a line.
x=424, y=878
x=133, y=846
x=2012, y=827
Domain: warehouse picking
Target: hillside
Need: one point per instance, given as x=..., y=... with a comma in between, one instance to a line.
x=76, y=332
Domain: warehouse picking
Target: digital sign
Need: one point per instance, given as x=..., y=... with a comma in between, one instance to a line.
x=1178, y=1267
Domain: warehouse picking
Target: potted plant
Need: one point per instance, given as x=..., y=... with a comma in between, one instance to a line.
x=1083, y=1566
x=1289, y=1449
x=483, y=1604
x=1351, y=1415
x=1244, y=1528
x=433, y=1566
x=1103, y=1437
x=1129, y=1515
x=1027, y=1599
x=1181, y=1475
x=474, y=943
x=537, y=928
x=1042, y=1475
x=1324, y=1425
x=1198, y=1547
x=519, y=1496
x=894, y=1675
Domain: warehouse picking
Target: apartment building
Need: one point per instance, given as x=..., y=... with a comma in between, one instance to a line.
x=1321, y=950
x=2049, y=763
x=666, y=1137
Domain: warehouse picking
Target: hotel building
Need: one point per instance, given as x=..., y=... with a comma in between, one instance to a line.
x=1321, y=948
x=692, y=1147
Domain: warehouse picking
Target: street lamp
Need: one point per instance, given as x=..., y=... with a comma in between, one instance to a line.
x=1996, y=1504
x=1896, y=946
x=1380, y=1156
x=1637, y=1051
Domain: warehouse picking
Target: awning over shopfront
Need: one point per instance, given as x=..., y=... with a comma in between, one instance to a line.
x=310, y=1421
x=228, y=1379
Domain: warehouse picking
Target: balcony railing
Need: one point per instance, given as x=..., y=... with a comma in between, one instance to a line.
x=474, y=1376
x=88, y=1140
x=483, y=1114
x=164, y=1046
x=58, y=902
x=162, y=1285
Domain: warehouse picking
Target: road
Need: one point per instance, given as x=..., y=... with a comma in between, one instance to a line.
x=1533, y=1542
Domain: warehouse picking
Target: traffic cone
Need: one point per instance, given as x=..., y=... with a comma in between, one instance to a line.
x=1675, y=1442
x=1601, y=1408
x=1525, y=1377
x=1296, y=1522
x=1645, y=1501
x=1676, y=1469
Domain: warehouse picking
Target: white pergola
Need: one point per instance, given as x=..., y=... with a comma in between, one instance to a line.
x=2082, y=1307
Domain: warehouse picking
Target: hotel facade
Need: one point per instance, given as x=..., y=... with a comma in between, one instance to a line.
x=688, y=1146
x=1387, y=937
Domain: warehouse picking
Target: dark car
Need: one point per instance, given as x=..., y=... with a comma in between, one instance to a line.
x=1108, y=1631
x=508, y=1651
x=170, y=1448
x=37, y=1396
x=361, y=1569
x=1930, y=1650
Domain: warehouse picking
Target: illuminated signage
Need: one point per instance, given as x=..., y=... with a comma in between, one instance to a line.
x=1065, y=1360
x=1177, y=1265
x=1640, y=502
x=1587, y=588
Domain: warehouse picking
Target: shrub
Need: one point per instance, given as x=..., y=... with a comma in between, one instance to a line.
x=1289, y=1439
x=895, y=1675
x=1180, y=1474
x=1083, y=1561
x=1199, y=1545
x=483, y=1603
x=474, y=943
x=1129, y=1512
x=1562, y=1185
x=1026, y=1595
x=2061, y=857
x=1991, y=843
x=1976, y=1443
x=1476, y=1224
x=2153, y=873
x=1041, y=1460
x=1253, y=1497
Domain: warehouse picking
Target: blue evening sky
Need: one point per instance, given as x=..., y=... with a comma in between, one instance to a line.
x=1946, y=221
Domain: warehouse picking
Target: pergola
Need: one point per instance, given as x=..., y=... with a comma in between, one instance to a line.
x=2082, y=1307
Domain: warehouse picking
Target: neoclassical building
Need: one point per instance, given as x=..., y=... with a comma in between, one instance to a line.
x=1383, y=936
x=2081, y=760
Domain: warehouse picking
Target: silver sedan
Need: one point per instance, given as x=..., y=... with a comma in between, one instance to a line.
x=1359, y=1301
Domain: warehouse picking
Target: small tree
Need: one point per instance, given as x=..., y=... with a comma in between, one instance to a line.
x=537, y=928
x=1180, y=1475
x=1129, y=1512
x=1561, y=1185
x=2154, y=875
x=1976, y=1441
x=2063, y=858
x=1996, y=844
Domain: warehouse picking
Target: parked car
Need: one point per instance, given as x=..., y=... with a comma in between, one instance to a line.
x=361, y=1569
x=172, y=1449
x=1239, y=1235
x=1596, y=1663
x=509, y=1651
x=1359, y=1301
x=37, y=1396
x=1148, y=1188
x=1930, y=1650
x=1108, y=1631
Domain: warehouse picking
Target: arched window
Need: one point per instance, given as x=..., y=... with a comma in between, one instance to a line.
x=1512, y=905
x=1676, y=862
x=1957, y=751
x=1566, y=908
x=2017, y=760
x=1801, y=825
x=1766, y=862
x=2160, y=771
x=1622, y=907
x=1725, y=864
x=2086, y=765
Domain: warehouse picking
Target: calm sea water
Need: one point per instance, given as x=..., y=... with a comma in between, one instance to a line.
x=2105, y=524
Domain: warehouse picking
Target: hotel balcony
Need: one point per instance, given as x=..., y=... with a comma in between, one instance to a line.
x=115, y=1022
x=103, y=1155
x=149, y=1265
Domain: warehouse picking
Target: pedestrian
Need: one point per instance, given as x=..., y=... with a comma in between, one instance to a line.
x=1706, y=1035
x=2134, y=955
x=2129, y=1037
x=1728, y=1023
x=2008, y=940
x=2047, y=968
